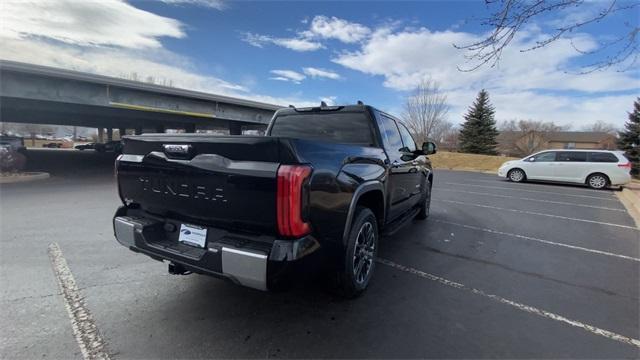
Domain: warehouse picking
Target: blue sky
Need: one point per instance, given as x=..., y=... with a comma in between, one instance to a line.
x=302, y=52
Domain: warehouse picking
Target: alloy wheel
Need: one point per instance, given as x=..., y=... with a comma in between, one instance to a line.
x=597, y=181
x=516, y=175
x=364, y=252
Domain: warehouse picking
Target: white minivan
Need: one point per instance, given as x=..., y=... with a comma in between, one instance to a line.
x=595, y=168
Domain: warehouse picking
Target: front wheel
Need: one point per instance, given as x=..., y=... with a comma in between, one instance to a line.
x=516, y=175
x=359, y=257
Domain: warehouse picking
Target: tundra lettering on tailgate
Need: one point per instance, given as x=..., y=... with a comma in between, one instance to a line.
x=181, y=188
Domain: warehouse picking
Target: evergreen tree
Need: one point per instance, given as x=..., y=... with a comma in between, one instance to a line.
x=629, y=139
x=478, y=133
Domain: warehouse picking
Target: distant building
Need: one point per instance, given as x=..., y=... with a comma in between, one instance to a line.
x=517, y=143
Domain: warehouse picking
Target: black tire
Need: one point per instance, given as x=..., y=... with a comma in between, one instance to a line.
x=359, y=258
x=425, y=207
x=598, y=181
x=516, y=175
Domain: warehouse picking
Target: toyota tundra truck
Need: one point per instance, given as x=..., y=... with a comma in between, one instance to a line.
x=325, y=180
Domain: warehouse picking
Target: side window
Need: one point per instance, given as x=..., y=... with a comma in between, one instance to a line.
x=602, y=157
x=389, y=131
x=545, y=157
x=572, y=156
x=407, y=139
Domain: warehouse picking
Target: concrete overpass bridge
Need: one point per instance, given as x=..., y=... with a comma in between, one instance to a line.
x=45, y=95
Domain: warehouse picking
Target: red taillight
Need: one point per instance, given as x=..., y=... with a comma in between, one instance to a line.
x=626, y=166
x=291, y=179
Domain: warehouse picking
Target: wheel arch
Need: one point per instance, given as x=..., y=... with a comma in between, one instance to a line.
x=371, y=195
x=586, y=179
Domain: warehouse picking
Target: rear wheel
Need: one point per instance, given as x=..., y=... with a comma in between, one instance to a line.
x=516, y=175
x=359, y=258
x=598, y=181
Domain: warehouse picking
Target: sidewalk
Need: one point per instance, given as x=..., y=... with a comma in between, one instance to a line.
x=630, y=197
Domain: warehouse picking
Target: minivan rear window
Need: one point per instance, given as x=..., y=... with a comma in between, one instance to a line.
x=571, y=156
x=340, y=127
x=602, y=157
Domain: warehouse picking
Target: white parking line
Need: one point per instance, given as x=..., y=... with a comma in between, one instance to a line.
x=529, y=238
x=546, y=185
x=516, y=305
x=534, y=191
x=84, y=328
x=530, y=199
x=539, y=214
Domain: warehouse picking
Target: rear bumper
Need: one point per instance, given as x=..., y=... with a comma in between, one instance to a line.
x=248, y=260
x=620, y=178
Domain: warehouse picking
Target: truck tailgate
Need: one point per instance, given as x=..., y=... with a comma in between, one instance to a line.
x=226, y=181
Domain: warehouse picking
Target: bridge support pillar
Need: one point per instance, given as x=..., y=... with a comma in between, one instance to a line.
x=190, y=128
x=235, y=128
x=122, y=132
x=100, y=135
x=109, y=134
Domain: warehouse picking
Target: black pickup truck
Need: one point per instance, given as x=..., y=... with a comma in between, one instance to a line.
x=325, y=180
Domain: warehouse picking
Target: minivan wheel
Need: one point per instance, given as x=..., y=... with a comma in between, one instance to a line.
x=516, y=175
x=597, y=181
x=360, y=255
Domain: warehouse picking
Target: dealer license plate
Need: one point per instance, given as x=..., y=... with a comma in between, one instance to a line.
x=193, y=235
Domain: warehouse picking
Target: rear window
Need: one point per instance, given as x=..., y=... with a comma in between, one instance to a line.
x=602, y=157
x=343, y=127
x=571, y=156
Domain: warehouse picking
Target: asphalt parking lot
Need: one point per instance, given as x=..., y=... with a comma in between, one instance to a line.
x=498, y=270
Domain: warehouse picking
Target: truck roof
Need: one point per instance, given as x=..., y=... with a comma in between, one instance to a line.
x=336, y=108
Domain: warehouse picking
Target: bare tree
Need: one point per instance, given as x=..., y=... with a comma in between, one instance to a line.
x=531, y=125
x=425, y=112
x=449, y=139
x=601, y=126
x=511, y=16
x=523, y=137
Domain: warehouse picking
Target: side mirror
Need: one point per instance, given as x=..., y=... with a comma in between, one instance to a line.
x=532, y=159
x=429, y=148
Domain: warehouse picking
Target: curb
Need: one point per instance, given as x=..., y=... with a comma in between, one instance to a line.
x=24, y=177
x=631, y=201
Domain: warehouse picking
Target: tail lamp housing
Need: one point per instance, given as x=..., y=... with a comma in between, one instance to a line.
x=291, y=198
x=625, y=166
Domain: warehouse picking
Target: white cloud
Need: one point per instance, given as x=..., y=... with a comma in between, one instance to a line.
x=316, y=73
x=336, y=28
x=287, y=75
x=404, y=58
x=296, y=44
x=321, y=27
x=520, y=85
x=329, y=100
x=214, y=4
x=87, y=23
